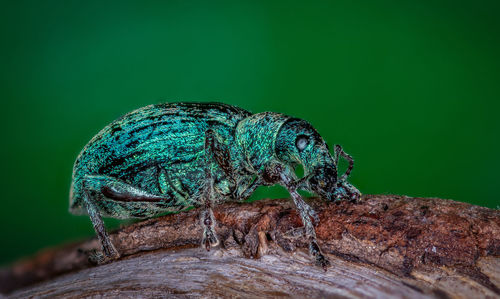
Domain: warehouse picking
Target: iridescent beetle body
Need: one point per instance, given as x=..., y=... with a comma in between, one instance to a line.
x=169, y=157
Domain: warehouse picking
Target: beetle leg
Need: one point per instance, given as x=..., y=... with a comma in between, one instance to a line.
x=303, y=183
x=306, y=213
x=219, y=153
x=250, y=189
x=340, y=152
x=107, y=195
x=215, y=151
x=207, y=218
x=346, y=189
x=165, y=181
x=109, y=250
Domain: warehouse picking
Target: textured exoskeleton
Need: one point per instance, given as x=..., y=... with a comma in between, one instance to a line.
x=170, y=157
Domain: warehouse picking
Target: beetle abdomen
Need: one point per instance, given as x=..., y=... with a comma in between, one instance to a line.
x=156, y=139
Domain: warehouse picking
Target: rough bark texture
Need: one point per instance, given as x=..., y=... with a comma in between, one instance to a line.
x=383, y=246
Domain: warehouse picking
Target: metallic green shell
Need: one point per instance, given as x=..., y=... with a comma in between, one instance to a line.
x=137, y=146
x=256, y=136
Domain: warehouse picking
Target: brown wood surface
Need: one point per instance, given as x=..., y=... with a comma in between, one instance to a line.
x=383, y=246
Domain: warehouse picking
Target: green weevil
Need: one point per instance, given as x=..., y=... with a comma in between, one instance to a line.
x=169, y=157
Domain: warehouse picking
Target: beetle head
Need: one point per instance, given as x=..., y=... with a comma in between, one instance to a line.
x=299, y=143
x=324, y=182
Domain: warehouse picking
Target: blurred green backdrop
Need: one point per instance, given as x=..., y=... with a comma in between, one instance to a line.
x=409, y=88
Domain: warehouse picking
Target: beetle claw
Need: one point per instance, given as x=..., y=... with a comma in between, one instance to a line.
x=209, y=239
x=98, y=257
x=322, y=262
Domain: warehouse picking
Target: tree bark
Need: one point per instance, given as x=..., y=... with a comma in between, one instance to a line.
x=382, y=246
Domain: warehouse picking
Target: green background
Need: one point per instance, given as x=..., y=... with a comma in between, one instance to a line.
x=409, y=88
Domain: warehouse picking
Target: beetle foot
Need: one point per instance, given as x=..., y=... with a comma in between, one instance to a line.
x=321, y=260
x=209, y=239
x=356, y=198
x=98, y=257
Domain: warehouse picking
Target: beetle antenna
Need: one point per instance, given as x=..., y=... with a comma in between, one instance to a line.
x=340, y=152
x=337, y=150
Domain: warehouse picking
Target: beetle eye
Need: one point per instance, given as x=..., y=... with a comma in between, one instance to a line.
x=301, y=142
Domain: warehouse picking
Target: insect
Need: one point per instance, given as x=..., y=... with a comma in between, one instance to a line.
x=170, y=157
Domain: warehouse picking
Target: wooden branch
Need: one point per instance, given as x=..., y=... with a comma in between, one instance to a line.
x=383, y=246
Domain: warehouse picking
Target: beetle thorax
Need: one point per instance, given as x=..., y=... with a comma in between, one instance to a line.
x=256, y=136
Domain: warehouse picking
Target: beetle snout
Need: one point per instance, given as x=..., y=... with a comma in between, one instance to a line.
x=345, y=190
x=323, y=182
